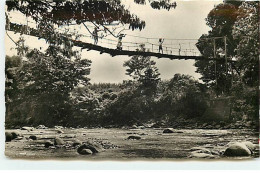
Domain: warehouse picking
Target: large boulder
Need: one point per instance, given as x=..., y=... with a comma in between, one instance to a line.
x=12, y=135
x=33, y=137
x=58, y=141
x=95, y=148
x=8, y=136
x=16, y=134
x=238, y=149
x=169, y=130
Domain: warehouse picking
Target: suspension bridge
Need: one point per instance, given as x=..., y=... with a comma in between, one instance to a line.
x=105, y=45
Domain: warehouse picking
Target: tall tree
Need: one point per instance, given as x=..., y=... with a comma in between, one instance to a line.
x=221, y=20
x=246, y=31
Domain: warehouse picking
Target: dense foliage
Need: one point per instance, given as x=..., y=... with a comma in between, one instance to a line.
x=52, y=87
x=238, y=22
x=143, y=70
x=246, y=32
x=45, y=80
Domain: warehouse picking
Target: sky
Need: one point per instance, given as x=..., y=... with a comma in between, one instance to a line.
x=187, y=21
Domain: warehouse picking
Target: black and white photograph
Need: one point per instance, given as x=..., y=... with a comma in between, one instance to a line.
x=131, y=80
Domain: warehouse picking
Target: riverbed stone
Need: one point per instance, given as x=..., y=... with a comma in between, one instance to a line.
x=19, y=138
x=41, y=127
x=59, y=131
x=89, y=146
x=58, y=127
x=134, y=137
x=8, y=136
x=27, y=128
x=33, y=137
x=201, y=155
x=169, y=130
x=48, y=143
x=16, y=134
x=237, y=149
x=58, y=141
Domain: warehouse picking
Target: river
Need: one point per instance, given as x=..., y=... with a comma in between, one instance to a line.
x=154, y=144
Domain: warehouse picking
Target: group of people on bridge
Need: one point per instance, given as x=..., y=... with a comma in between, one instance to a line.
x=120, y=37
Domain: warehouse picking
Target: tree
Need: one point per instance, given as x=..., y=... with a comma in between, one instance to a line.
x=99, y=13
x=238, y=21
x=12, y=66
x=45, y=81
x=183, y=95
x=221, y=19
x=246, y=31
x=143, y=70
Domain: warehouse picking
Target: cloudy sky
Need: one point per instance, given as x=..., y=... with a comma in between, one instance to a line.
x=187, y=21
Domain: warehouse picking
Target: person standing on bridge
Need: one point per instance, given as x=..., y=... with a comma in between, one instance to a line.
x=160, y=45
x=119, y=44
x=95, y=35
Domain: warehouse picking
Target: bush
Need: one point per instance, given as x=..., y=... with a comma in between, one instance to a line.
x=106, y=95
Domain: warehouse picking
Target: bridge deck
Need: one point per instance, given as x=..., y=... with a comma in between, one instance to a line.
x=113, y=52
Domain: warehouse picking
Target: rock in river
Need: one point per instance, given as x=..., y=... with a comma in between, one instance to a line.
x=47, y=144
x=81, y=149
x=134, y=137
x=168, y=130
x=8, y=136
x=59, y=131
x=33, y=137
x=12, y=135
x=238, y=149
x=41, y=127
x=16, y=134
x=200, y=152
x=58, y=141
x=27, y=128
x=95, y=148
